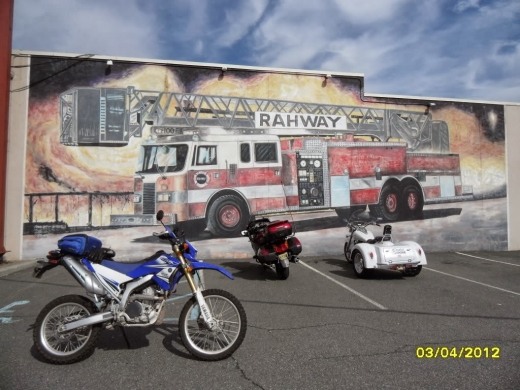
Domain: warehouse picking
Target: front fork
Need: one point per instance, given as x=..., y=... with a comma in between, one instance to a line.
x=347, y=249
x=196, y=290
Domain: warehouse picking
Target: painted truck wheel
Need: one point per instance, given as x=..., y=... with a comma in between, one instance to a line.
x=412, y=201
x=227, y=216
x=388, y=207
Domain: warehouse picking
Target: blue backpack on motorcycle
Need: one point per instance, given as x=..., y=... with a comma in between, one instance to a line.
x=79, y=244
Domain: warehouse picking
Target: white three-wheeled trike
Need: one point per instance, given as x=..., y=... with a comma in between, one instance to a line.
x=368, y=252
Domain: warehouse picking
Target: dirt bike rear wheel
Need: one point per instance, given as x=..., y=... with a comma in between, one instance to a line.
x=218, y=344
x=65, y=347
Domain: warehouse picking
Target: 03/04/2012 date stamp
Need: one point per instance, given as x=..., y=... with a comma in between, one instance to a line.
x=457, y=352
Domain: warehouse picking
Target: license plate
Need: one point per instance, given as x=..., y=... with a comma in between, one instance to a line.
x=400, y=267
x=284, y=256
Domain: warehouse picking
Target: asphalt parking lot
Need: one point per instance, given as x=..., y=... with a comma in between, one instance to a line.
x=454, y=326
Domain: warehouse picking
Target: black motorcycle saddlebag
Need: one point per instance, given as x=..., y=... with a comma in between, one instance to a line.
x=294, y=246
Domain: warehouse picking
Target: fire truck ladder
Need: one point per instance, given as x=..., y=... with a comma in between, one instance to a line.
x=185, y=110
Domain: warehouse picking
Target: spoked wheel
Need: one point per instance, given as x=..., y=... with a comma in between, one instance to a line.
x=65, y=347
x=283, y=273
x=359, y=266
x=221, y=342
x=413, y=271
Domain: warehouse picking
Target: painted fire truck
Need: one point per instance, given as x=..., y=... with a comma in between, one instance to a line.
x=213, y=161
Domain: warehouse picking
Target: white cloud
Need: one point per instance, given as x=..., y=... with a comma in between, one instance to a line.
x=117, y=27
x=463, y=49
x=401, y=49
x=463, y=5
x=239, y=20
x=368, y=11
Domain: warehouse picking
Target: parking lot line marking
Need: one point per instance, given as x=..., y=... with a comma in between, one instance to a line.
x=483, y=258
x=345, y=286
x=473, y=281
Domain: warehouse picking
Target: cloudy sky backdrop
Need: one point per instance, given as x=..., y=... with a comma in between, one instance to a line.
x=464, y=49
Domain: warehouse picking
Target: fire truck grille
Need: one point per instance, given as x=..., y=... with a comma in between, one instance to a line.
x=149, y=198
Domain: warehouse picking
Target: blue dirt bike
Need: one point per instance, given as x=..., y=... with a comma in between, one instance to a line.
x=212, y=324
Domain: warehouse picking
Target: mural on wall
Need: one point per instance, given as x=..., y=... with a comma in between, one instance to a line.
x=110, y=146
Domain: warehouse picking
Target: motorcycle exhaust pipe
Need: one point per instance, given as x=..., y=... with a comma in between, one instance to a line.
x=82, y=275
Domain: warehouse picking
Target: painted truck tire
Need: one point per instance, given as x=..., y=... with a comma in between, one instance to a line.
x=413, y=201
x=227, y=216
x=388, y=207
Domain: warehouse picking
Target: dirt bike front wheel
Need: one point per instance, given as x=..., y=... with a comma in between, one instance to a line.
x=65, y=347
x=221, y=342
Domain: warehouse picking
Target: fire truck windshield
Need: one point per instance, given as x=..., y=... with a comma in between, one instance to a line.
x=161, y=158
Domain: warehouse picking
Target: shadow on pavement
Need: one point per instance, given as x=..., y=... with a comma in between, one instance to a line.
x=249, y=270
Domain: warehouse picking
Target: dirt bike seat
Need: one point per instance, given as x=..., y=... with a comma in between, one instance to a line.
x=129, y=266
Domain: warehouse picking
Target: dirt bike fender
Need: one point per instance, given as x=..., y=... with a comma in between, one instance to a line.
x=201, y=265
x=369, y=253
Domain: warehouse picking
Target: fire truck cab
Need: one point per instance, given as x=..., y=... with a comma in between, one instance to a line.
x=209, y=179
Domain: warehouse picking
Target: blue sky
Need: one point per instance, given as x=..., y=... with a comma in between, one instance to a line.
x=463, y=49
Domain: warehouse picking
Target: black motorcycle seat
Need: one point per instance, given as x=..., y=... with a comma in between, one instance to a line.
x=375, y=240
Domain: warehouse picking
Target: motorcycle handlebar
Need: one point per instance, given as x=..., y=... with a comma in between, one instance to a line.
x=363, y=224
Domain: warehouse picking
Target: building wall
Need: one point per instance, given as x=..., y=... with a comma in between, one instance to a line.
x=512, y=115
x=66, y=175
x=17, y=142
